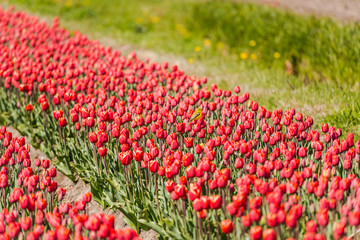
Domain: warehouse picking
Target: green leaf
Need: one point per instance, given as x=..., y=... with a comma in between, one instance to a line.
x=116, y=186
x=97, y=194
x=4, y=118
x=168, y=222
x=144, y=214
x=62, y=167
x=160, y=230
x=130, y=223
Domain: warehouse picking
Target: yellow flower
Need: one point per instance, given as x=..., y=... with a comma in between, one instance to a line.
x=155, y=19
x=207, y=42
x=182, y=30
x=244, y=55
x=252, y=43
x=197, y=49
x=138, y=20
x=190, y=60
x=276, y=55
x=253, y=56
x=68, y=3
x=220, y=45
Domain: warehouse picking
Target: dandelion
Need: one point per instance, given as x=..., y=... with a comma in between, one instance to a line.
x=182, y=30
x=155, y=19
x=68, y=3
x=252, y=43
x=197, y=49
x=253, y=56
x=276, y=55
x=191, y=60
x=86, y=3
x=138, y=20
x=244, y=55
x=207, y=42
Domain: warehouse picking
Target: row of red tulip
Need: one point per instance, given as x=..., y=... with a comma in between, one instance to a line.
x=32, y=205
x=238, y=168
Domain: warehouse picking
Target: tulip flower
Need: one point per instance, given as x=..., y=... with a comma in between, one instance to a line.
x=227, y=226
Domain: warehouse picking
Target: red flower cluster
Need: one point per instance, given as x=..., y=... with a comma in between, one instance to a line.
x=32, y=205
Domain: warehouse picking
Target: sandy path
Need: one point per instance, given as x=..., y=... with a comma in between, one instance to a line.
x=345, y=10
x=75, y=191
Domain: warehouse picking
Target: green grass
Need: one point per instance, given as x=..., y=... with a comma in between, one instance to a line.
x=319, y=49
x=213, y=35
x=347, y=118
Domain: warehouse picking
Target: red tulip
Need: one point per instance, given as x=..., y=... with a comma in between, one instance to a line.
x=339, y=230
x=153, y=166
x=13, y=229
x=227, y=226
x=62, y=233
x=125, y=158
x=281, y=216
x=309, y=236
x=50, y=235
x=322, y=217
x=311, y=226
x=324, y=127
x=197, y=204
x=93, y=223
x=54, y=219
x=232, y=208
x=24, y=201
x=103, y=231
x=25, y=223
x=80, y=205
x=246, y=221
x=58, y=114
x=271, y=219
x=193, y=193
x=87, y=197
x=256, y=232
x=38, y=231
x=215, y=201
x=102, y=151
x=354, y=218
x=269, y=234
x=29, y=107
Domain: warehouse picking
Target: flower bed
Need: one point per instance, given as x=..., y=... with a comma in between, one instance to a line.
x=121, y=124
x=32, y=205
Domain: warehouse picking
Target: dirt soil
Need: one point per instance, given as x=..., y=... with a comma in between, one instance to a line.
x=75, y=191
x=345, y=10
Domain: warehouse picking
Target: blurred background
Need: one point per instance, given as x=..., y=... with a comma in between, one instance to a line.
x=285, y=53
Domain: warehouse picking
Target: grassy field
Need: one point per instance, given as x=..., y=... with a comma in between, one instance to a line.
x=237, y=44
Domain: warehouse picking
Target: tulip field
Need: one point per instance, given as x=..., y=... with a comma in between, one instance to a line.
x=32, y=205
x=122, y=125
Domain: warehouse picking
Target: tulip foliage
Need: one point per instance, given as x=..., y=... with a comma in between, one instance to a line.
x=122, y=125
x=32, y=205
